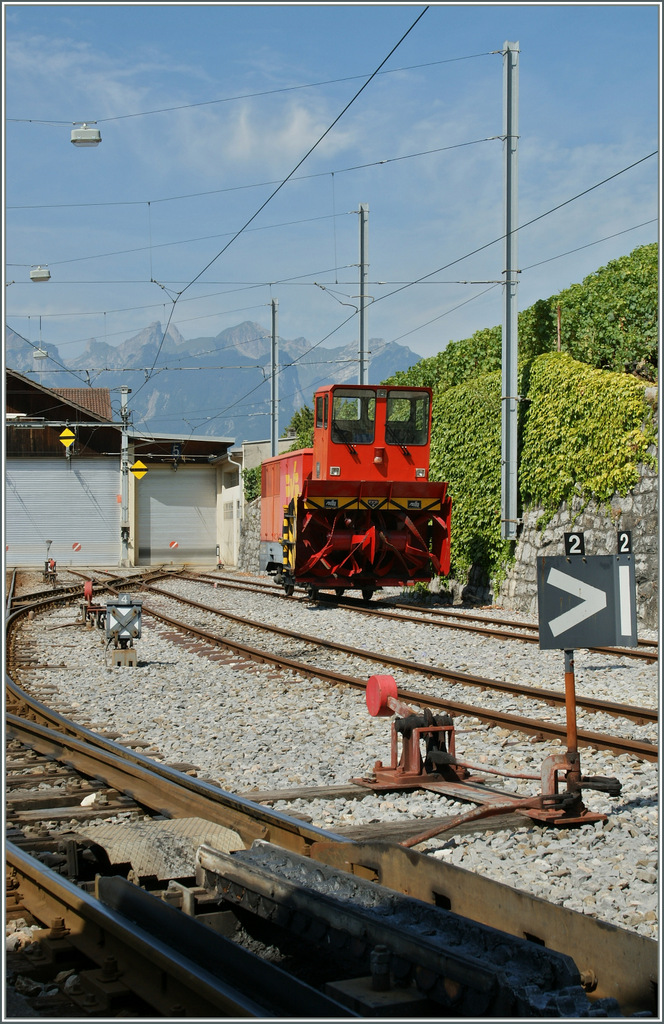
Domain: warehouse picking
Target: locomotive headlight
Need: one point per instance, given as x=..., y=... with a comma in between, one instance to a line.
x=335, y=471
x=420, y=474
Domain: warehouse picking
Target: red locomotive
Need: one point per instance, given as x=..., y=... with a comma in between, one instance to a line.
x=357, y=511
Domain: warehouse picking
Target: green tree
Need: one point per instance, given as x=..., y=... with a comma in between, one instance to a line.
x=302, y=425
x=609, y=321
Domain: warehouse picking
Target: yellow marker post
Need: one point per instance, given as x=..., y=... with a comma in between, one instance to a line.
x=139, y=469
x=67, y=437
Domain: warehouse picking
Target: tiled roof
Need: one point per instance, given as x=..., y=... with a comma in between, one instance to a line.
x=97, y=400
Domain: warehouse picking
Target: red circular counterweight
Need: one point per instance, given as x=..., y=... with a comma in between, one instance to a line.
x=379, y=688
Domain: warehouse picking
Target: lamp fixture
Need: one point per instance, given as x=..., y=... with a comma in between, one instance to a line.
x=40, y=274
x=85, y=136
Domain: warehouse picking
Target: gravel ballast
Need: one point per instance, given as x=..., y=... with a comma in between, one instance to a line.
x=248, y=726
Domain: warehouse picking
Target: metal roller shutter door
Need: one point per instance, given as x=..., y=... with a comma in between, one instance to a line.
x=70, y=502
x=177, y=515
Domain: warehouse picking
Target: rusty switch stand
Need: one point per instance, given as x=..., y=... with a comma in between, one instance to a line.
x=91, y=614
x=440, y=770
x=574, y=811
x=410, y=770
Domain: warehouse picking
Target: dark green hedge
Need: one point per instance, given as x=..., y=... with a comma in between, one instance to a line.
x=582, y=432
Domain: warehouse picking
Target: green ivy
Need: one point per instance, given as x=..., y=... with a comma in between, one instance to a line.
x=585, y=433
x=582, y=432
x=465, y=451
x=251, y=479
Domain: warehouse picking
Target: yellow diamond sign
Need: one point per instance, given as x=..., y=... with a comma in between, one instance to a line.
x=67, y=437
x=139, y=469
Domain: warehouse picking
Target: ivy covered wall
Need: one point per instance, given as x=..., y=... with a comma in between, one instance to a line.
x=583, y=433
x=585, y=424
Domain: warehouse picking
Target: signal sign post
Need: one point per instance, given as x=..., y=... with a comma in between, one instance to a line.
x=583, y=602
x=586, y=602
x=67, y=438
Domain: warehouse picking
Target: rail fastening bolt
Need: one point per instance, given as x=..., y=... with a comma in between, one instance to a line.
x=379, y=963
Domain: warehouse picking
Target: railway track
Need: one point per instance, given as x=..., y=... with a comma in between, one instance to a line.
x=160, y=940
x=250, y=883
x=534, y=727
x=451, y=618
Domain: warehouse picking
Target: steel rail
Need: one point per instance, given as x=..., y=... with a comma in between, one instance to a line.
x=507, y=631
x=502, y=629
x=623, y=967
x=69, y=591
x=591, y=704
x=516, y=624
x=173, y=963
x=534, y=727
x=158, y=786
x=10, y=593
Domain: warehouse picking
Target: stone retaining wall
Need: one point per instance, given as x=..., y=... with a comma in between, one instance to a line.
x=637, y=511
x=250, y=532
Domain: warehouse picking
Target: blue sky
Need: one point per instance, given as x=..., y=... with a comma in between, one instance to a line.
x=232, y=97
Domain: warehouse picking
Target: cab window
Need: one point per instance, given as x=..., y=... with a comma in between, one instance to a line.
x=321, y=412
x=353, y=416
x=407, y=418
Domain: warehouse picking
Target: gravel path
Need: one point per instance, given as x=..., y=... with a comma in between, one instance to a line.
x=253, y=728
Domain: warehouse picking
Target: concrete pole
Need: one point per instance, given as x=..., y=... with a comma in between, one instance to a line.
x=364, y=273
x=124, y=472
x=274, y=391
x=509, y=420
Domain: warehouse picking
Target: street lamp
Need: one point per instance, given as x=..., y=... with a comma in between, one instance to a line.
x=40, y=274
x=85, y=136
x=40, y=354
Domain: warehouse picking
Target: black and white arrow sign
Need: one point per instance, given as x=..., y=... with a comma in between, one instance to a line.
x=586, y=602
x=593, y=600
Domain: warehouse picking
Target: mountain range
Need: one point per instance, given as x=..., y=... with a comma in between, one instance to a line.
x=207, y=386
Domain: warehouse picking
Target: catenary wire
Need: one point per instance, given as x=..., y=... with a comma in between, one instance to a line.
x=533, y=220
x=181, y=241
x=526, y=224
x=297, y=166
x=424, y=278
x=259, y=184
x=447, y=312
x=51, y=122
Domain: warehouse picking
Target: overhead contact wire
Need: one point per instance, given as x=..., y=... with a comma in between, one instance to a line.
x=274, y=193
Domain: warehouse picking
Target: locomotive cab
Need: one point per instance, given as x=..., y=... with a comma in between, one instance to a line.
x=366, y=433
